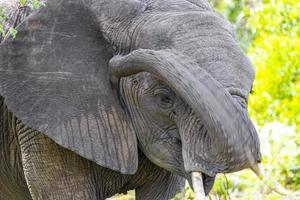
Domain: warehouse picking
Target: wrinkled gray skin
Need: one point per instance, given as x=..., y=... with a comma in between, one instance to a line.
x=103, y=78
x=53, y=172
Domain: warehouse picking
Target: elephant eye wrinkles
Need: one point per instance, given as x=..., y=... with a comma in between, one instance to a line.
x=165, y=98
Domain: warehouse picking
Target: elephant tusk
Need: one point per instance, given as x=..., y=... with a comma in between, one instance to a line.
x=270, y=182
x=198, y=186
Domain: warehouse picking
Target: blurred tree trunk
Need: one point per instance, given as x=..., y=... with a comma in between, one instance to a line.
x=14, y=15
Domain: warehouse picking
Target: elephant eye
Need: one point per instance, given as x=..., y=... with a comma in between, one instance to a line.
x=165, y=98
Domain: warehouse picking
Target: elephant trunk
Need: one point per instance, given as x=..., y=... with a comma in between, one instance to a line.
x=231, y=132
x=218, y=136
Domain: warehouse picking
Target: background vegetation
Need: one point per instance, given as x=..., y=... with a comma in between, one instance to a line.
x=269, y=32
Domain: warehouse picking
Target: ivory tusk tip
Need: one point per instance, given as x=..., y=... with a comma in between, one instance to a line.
x=272, y=184
x=281, y=190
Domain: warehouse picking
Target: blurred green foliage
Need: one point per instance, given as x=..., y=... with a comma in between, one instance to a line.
x=7, y=15
x=275, y=52
x=237, y=12
x=3, y=19
x=269, y=32
x=35, y=4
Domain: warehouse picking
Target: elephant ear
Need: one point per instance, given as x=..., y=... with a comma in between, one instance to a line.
x=54, y=77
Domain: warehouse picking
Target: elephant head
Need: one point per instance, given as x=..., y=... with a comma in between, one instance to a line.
x=94, y=75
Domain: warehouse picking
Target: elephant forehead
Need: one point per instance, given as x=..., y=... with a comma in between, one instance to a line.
x=223, y=60
x=205, y=37
x=159, y=30
x=178, y=5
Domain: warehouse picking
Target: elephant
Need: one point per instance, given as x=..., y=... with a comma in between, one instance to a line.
x=102, y=96
x=67, y=172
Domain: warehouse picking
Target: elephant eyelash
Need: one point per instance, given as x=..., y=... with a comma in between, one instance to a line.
x=238, y=93
x=251, y=90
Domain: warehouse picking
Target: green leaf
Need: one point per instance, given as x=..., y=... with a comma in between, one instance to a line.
x=13, y=32
x=36, y=4
x=22, y=3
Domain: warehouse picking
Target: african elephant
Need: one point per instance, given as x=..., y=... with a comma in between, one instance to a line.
x=103, y=96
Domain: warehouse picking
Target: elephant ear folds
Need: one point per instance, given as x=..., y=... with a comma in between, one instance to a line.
x=54, y=77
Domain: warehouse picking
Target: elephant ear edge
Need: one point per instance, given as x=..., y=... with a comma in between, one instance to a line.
x=54, y=77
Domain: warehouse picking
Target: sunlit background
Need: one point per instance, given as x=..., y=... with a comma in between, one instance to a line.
x=269, y=33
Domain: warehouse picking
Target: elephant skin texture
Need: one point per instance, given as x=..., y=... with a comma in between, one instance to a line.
x=57, y=173
x=102, y=96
